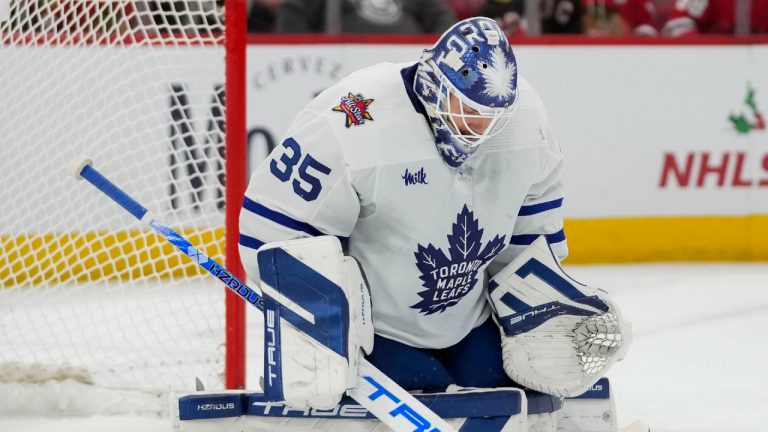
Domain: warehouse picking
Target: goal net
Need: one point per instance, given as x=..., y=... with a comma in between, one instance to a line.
x=88, y=298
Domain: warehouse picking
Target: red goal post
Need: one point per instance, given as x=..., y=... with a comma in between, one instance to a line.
x=236, y=166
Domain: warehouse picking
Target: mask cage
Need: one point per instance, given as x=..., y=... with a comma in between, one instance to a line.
x=457, y=118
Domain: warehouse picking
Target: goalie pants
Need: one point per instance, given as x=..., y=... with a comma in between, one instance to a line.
x=473, y=362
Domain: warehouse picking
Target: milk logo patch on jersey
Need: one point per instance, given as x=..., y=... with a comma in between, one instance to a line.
x=355, y=106
x=415, y=177
x=448, y=278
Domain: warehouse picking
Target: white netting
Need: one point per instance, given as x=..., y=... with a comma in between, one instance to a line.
x=138, y=86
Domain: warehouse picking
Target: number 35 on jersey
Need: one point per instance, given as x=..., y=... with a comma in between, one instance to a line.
x=307, y=179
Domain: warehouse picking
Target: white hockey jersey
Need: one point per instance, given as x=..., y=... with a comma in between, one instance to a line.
x=360, y=162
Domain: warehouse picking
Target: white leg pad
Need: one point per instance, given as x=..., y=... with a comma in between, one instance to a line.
x=592, y=411
x=544, y=422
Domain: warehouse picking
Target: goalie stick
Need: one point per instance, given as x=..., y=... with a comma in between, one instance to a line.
x=389, y=402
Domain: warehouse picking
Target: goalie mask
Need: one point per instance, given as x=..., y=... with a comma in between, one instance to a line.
x=467, y=82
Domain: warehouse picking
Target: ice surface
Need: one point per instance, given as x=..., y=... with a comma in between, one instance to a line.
x=698, y=359
x=697, y=363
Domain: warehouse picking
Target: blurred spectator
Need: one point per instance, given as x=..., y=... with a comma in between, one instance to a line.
x=262, y=15
x=562, y=16
x=368, y=16
x=663, y=10
x=620, y=17
x=174, y=16
x=557, y=16
x=71, y=20
x=713, y=16
x=508, y=13
x=466, y=8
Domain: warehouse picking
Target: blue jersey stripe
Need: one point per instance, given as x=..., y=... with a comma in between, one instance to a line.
x=540, y=208
x=250, y=242
x=279, y=218
x=526, y=239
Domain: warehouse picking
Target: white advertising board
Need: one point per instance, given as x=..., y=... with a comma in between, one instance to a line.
x=649, y=130
x=646, y=128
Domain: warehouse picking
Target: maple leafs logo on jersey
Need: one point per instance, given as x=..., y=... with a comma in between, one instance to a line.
x=355, y=106
x=448, y=279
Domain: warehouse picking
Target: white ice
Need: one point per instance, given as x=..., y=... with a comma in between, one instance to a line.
x=697, y=363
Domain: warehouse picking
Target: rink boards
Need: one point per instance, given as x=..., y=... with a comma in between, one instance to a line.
x=655, y=170
x=666, y=160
